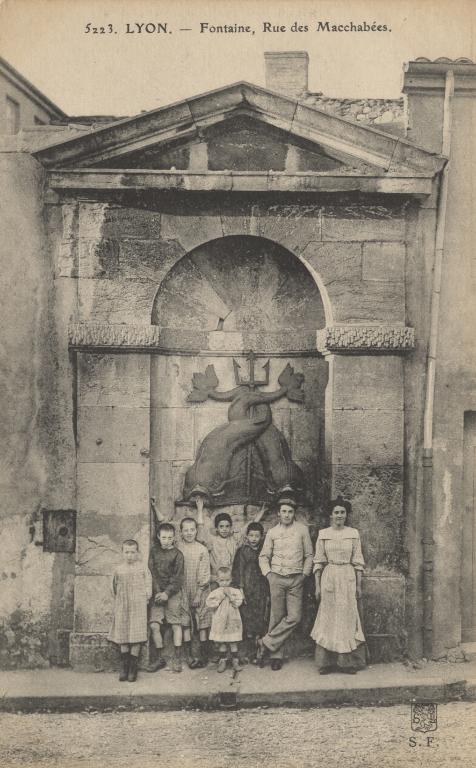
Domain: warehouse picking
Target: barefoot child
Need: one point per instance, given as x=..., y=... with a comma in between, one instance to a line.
x=132, y=587
x=246, y=575
x=167, y=568
x=226, y=626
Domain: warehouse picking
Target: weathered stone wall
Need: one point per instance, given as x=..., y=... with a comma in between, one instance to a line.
x=455, y=391
x=36, y=428
x=117, y=254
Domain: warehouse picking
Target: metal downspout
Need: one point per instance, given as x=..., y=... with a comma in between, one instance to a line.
x=427, y=541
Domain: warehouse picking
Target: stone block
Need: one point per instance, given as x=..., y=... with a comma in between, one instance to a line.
x=335, y=262
x=367, y=437
x=225, y=341
x=191, y=231
x=367, y=302
x=179, y=468
x=93, y=603
x=92, y=652
x=305, y=440
x=100, y=536
x=127, y=222
x=171, y=379
x=162, y=486
x=316, y=377
x=91, y=219
x=237, y=220
x=98, y=258
x=384, y=261
x=66, y=259
x=384, y=616
x=112, y=434
x=166, y=484
x=382, y=225
x=118, y=489
x=148, y=259
x=116, y=380
x=376, y=495
x=100, y=554
x=292, y=226
x=368, y=382
x=116, y=301
x=172, y=435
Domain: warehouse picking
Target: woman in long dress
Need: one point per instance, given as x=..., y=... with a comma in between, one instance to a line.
x=338, y=567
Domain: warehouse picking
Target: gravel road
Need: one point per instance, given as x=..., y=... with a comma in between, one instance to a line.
x=258, y=738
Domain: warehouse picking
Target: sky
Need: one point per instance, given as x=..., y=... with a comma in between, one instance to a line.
x=119, y=73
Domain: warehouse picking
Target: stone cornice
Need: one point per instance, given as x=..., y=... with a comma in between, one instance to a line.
x=365, y=338
x=424, y=76
x=334, y=339
x=229, y=181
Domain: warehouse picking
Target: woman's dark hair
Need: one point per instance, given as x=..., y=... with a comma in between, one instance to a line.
x=130, y=543
x=166, y=527
x=255, y=527
x=340, y=502
x=188, y=520
x=223, y=517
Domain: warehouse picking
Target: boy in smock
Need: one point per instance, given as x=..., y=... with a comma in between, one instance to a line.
x=166, y=564
x=246, y=574
x=196, y=587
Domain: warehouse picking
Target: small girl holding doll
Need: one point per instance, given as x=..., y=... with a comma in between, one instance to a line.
x=226, y=629
x=132, y=587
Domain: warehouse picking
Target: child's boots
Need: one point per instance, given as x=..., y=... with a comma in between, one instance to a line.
x=132, y=676
x=124, y=670
x=177, y=660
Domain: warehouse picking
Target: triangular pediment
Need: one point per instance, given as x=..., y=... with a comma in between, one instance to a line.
x=241, y=143
x=241, y=128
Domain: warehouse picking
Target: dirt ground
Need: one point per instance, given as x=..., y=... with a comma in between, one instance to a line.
x=259, y=738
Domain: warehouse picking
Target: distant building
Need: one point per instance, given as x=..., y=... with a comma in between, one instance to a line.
x=21, y=104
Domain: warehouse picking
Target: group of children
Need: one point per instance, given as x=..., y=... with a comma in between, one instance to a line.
x=214, y=590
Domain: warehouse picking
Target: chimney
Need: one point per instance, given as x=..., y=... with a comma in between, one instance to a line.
x=286, y=72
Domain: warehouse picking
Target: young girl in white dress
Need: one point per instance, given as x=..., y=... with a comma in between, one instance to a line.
x=227, y=628
x=132, y=587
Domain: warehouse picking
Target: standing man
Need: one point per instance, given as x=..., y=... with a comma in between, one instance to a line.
x=285, y=560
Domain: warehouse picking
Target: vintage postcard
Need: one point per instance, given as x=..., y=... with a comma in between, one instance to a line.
x=238, y=383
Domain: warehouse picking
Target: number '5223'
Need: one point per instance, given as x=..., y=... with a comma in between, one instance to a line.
x=107, y=30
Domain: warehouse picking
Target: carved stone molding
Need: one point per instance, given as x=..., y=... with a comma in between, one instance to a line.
x=114, y=336
x=338, y=338
x=198, y=342
x=365, y=338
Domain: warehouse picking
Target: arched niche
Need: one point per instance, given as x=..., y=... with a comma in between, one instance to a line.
x=221, y=300
x=239, y=283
